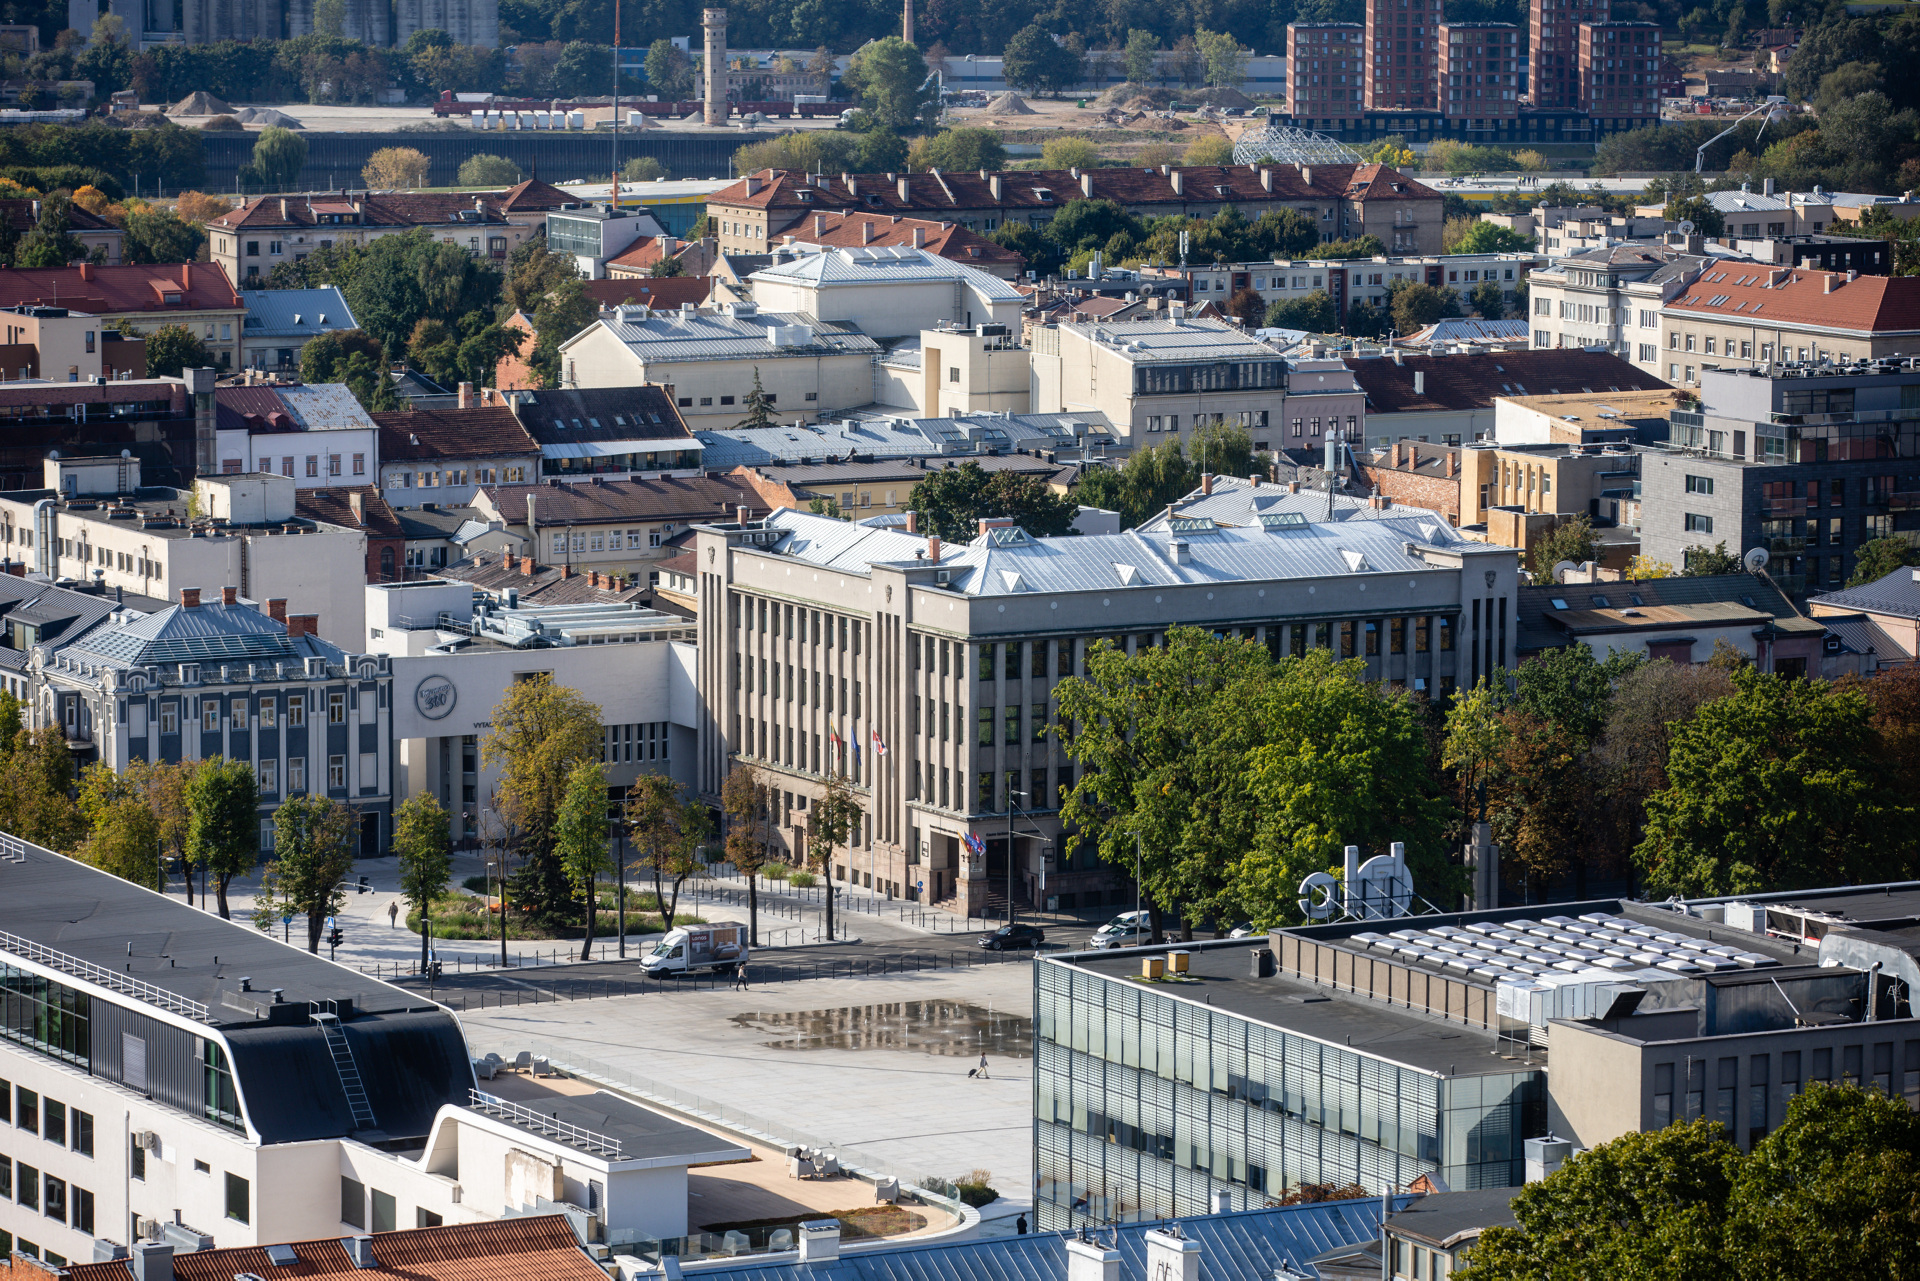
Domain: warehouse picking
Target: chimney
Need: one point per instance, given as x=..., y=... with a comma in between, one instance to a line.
x=866, y=233
x=190, y=598
x=1778, y=277
x=919, y=237
x=1220, y=1201
x=86, y=271
x=913, y=522
x=742, y=514
x=358, y=502
x=900, y=186
x=1396, y=356
x=1179, y=549
x=933, y=548
x=1419, y=382
x=1170, y=1257
x=819, y=1240
x=1266, y=179
x=853, y=184
x=527, y=566
x=1086, y=184
x=229, y=595
x=1832, y=282
x=1306, y=175
x=360, y=1250
x=593, y=578
x=303, y=625
x=1766, y=187
x=993, y=186
x=1293, y=487
x=1091, y=1261
x=1254, y=480
x=152, y=1261
x=186, y=275
x=1453, y=463
x=277, y=609
x=819, y=224
x=466, y=395
x=566, y=571
x=1179, y=182
x=1206, y=482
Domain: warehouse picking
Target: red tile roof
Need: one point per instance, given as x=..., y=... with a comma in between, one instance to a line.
x=696, y=256
x=1825, y=299
x=335, y=507
x=663, y=293
x=375, y=209
x=197, y=286
x=947, y=239
x=1472, y=380
x=536, y=1248
x=703, y=498
x=931, y=192
x=534, y=196
x=483, y=431
x=20, y=215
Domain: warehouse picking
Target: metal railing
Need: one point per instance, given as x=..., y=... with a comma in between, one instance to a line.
x=528, y=1119
x=124, y=984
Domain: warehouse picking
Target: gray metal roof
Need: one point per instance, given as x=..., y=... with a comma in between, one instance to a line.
x=208, y=633
x=677, y=336
x=1470, y=329
x=1445, y=1217
x=1896, y=594
x=1004, y=562
x=1184, y=340
x=295, y=313
x=1237, y=502
x=881, y=265
x=71, y=614
x=883, y=432
x=325, y=407
x=1248, y=1246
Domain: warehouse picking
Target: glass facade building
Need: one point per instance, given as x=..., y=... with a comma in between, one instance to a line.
x=1148, y=1098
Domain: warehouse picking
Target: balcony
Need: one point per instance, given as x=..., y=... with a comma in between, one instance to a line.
x=1686, y=418
x=1904, y=502
x=1786, y=546
x=1852, y=416
x=1784, y=506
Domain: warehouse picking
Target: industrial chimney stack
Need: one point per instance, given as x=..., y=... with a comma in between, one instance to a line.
x=714, y=21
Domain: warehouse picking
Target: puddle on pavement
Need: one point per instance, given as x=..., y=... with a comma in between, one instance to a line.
x=952, y=1028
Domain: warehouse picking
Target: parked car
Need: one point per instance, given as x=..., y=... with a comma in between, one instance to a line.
x=1129, y=929
x=1008, y=937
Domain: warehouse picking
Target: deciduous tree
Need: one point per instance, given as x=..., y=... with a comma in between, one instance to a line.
x=278, y=156
x=423, y=848
x=171, y=348
x=890, y=76
x=541, y=731
x=1878, y=557
x=746, y=801
x=122, y=835
x=667, y=829
x=396, y=168
x=313, y=840
x=488, y=171
x=580, y=839
x=832, y=820
x=951, y=502
x=223, y=826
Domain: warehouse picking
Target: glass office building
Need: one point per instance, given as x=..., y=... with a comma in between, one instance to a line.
x=1150, y=1097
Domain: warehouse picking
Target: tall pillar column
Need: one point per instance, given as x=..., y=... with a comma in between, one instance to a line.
x=714, y=23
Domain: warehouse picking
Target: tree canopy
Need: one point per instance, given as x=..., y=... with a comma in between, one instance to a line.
x=952, y=501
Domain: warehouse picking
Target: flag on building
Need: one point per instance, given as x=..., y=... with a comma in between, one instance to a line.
x=879, y=744
x=974, y=844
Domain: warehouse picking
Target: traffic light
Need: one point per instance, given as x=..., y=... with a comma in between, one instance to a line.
x=335, y=937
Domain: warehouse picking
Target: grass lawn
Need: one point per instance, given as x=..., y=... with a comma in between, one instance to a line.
x=464, y=917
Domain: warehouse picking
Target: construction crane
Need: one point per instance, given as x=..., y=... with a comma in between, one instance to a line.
x=1770, y=106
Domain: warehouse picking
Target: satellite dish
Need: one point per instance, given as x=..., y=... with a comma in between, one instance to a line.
x=1755, y=560
x=1686, y=226
x=1560, y=567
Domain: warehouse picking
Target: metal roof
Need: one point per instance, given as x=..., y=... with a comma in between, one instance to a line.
x=1237, y=502
x=1002, y=562
x=885, y=434
x=1896, y=594
x=880, y=265
x=1182, y=340
x=295, y=313
x=677, y=336
x=325, y=407
x=1248, y=1246
x=207, y=633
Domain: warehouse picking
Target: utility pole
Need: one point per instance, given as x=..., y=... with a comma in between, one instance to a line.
x=616, y=143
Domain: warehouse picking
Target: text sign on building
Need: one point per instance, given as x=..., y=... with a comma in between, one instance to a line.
x=434, y=697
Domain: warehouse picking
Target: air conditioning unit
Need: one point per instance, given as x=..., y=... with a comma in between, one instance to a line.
x=146, y=1140
x=943, y=576
x=148, y=1229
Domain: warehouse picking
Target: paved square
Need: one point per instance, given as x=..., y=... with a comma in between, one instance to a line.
x=853, y=1061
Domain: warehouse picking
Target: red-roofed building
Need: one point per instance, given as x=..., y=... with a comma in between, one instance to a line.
x=199, y=295
x=1742, y=314
x=251, y=240
x=662, y=293
x=695, y=257
x=947, y=239
x=1343, y=200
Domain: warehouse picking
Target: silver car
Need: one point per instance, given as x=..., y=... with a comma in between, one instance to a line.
x=1129, y=929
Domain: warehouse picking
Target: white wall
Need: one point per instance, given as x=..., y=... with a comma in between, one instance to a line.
x=323, y=572
x=883, y=308
x=269, y=451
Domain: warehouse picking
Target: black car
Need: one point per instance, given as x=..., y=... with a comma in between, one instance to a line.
x=1012, y=936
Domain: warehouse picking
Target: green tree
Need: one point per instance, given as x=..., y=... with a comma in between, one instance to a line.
x=1313, y=313
x=1288, y=233
x=488, y=171
x=561, y=314
x=759, y=408
x=832, y=820
x=880, y=150
x=223, y=826
x=123, y=836
x=1572, y=539
x=951, y=502
x=1069, y=152
x=1358, y=247
x=668, y=829
x=1489, y=299
x=746, y=801
x=1089, y=224
x=1034, y=62
x=1777, y=786
x=540, y=731
x=959, y=151
x=891, y=79
x=423, y=848
x=1041, y=252
x=642, y=169
x=157, y=236
x=1213, y=149
x=669, y=70
x=1141, y=48
x=1476, y=738
x=580, y=839
x=313, y=841
x=1226, y=60
x=171, y=348
x=1706, y=220
x=51, y=243
x=1646, y=1206
x=1568, y=687
x=1491, y=238
x=278, y=156
x=1415, y=305
x=1878, y=557
x=1700, y=562
x=36, y=781
x=1364, y=320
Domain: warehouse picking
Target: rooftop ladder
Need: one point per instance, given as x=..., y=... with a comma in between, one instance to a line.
x=349, y=1074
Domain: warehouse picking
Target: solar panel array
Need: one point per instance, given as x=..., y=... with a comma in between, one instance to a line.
x=1595, y=945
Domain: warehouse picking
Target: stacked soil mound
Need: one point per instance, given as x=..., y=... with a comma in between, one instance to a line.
x=199, y=103
x=1011, y=104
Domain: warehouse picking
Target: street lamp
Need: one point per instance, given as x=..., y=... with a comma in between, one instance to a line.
x=1012, y=809
x=620, y=878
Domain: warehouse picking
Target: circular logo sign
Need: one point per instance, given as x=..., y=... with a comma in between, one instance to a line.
x=434, y=697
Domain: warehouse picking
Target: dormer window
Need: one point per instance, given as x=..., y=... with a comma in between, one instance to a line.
x=1043, y=194
x=171, y=300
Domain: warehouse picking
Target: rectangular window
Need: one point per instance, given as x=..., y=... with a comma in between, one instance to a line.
x=239, y=1201
x=1013, y=724
x=54, y=1202
x=313, y=466
x=1037, y=722
x=985, y=804
x=336, y=707
x=986, y=727
x=1700, y=484
x=137, y=1161
x=210, y=716
x=82, y=1133
x=1699, y=524
x=83, y=1210
x=353, y=1203
x=26, y=1110
x=26, y=1186
x=336, y=772
x=296, y=710
x=169, y=718
x=238, y=713
x=267, y=708
x=296, y=774
x=53, y=1121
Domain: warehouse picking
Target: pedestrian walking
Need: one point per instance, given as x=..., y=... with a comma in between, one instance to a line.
x=393, y=914
x=740, y=977
x=1020, y=1225
x=982, y=1069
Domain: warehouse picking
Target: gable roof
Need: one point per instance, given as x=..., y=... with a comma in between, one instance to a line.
x=194, y=286
x=1796, y=296
x=534, y=196
x=663, y=293
x=1896, y=595
x=842, y=228
x=495, y=572
x=335, y=507
x=675, y=498
x=368, y=209
x=295, y=313
x=532, y=1248
x=1472, y=380
x=1048, y=189
x=590, y=414
x=20, y=215
x=487, y=430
